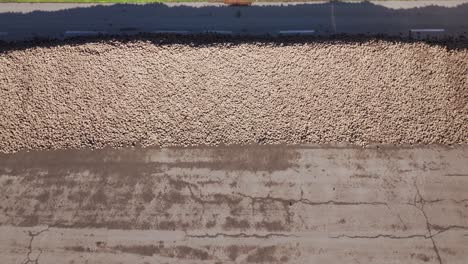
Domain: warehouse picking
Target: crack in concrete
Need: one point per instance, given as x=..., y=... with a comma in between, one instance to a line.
x=446, y=228
x=425, y=236
x=419, y=203
x=241, y=235
x=32, y=235
x=306, y=201
x=302, y=200
x=289, y=202
x=445, y=200
x=460, y=201
x=286, y=202
x=418, y=199
x=381, y=236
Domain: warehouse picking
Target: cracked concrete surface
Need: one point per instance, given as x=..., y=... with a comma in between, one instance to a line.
x=291, y=204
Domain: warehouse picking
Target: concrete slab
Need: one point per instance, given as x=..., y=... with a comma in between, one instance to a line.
x=252, y=204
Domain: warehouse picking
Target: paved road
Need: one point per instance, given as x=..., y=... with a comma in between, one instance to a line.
x=319, y=18
x=254, y=204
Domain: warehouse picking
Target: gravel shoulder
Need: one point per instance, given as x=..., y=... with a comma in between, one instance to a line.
x=100, y=93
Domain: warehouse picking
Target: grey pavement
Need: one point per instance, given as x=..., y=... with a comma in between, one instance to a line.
x=25, y=21
x=250, y=204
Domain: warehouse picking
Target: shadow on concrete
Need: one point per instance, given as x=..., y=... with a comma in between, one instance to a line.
x=349, y=22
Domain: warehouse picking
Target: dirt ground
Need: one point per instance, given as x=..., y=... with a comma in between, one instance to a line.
x=143, y=92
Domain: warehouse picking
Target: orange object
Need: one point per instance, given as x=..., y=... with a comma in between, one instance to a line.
x=238, y=2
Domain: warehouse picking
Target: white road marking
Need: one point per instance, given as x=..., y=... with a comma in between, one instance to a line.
x=181, y=32
x=83, y=33
x=333, y=17
x=428, y=30
x=227, y=32
x=296, y=32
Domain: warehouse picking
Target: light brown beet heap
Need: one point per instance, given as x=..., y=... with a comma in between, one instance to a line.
x=112, y=93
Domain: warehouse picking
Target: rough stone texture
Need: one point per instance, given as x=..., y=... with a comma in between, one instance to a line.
x=254, y=204
x=114, y=93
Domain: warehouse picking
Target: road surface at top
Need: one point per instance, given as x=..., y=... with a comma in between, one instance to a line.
x=252, y=204
x=31, y=7
x=25, y=21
